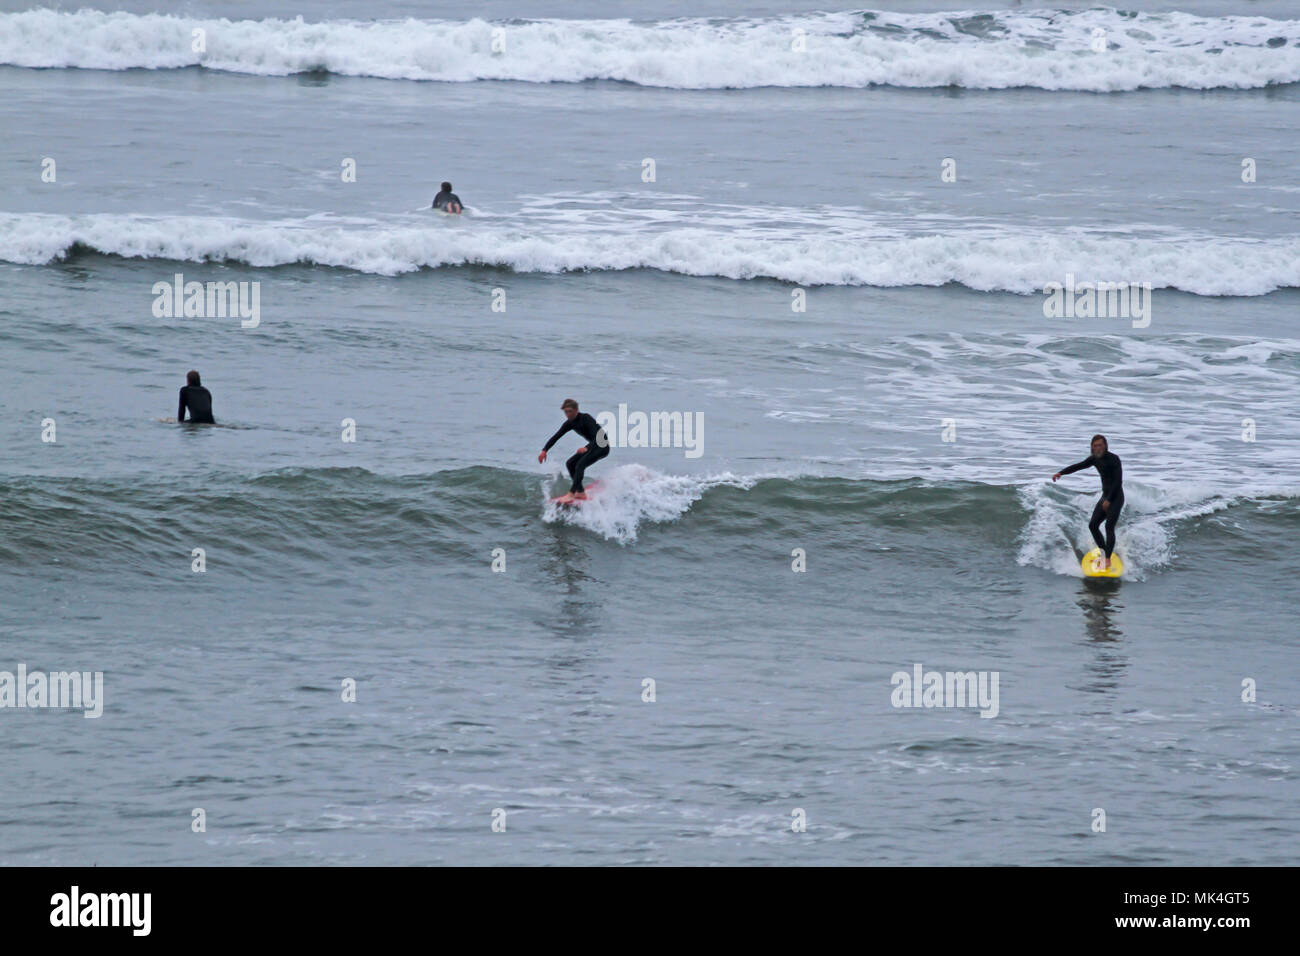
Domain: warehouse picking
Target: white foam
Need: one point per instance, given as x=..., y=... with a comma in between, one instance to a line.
x=1013, y=259
x=1047, y=49
x=632, y=495
x=1144, y=537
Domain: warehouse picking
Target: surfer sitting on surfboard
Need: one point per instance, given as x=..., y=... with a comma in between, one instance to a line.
x=1112, y=494
x=197, y=399
x=597, y=446
x=447, y=200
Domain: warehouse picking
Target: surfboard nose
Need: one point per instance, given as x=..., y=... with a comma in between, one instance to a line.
x=1090, y=569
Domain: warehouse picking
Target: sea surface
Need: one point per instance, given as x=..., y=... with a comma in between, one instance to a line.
x=396, y=640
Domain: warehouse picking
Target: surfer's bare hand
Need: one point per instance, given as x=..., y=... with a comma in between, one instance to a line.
x=582, y=450
x=1056, y=476
x=541, y=457
x=1105, y=506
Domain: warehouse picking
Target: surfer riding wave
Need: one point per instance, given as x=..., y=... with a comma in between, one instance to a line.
x=1112, y=494
x=597, y=446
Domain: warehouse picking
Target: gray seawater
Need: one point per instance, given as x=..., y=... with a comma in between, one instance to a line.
x=823, y=431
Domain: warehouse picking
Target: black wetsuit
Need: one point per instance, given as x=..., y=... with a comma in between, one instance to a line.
x=597, y=446
x=199, y=401
x=444, y=198
x=1112, y=493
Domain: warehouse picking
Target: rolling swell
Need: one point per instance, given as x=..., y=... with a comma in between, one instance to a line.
x=316, y=522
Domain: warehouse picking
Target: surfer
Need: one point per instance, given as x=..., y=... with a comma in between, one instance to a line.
x=447, y=200
x=197, y=399
x=597, y=446
x=1112, y=494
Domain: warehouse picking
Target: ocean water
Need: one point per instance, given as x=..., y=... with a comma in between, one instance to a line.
x=879, y=393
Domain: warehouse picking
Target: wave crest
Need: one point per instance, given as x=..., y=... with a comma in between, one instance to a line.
x=1047, y=49
x=1017, y=259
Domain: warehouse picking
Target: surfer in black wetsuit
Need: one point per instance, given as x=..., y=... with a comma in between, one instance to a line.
x=597, y=446
x=197, y=399
x=447, y=200
x=1112, y=494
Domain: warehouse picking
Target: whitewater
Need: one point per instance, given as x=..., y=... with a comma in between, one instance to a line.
x=1098, y=50
x=980, y=256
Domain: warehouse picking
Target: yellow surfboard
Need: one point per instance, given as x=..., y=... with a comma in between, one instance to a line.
x=1089, y=565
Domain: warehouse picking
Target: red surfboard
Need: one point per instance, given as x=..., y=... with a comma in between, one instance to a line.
x=594, y=487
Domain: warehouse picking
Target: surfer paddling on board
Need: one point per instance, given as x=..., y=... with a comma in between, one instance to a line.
x=447, y=200
x=1112, y=495
x=597, y=446
x=197, y=399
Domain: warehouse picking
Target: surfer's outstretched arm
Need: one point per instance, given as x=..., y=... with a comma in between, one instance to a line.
x=564, y=430
x=566, y=427
x=1071, y=469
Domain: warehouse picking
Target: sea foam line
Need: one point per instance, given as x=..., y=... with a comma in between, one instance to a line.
x=1015, y=259
x=1099, y=50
